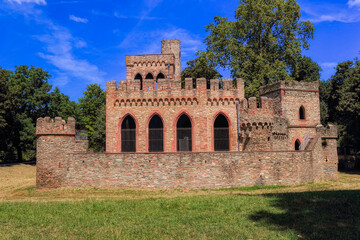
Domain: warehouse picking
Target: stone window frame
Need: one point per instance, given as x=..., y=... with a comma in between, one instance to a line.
x=304, y=113
x=192, y=129
x=297, y=140
x=212, y=129
x=119, y=132
x=147, y=130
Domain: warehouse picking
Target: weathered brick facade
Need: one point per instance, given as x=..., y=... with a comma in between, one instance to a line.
x=229, y=141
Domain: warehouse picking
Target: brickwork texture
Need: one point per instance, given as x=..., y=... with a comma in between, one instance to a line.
x=275, y=140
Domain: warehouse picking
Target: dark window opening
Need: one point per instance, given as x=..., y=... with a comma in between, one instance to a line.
x=128, y=135
x=149, y=76
x=138, y=76
x=183, y=133
x=156, y=134
x=302, y=113
x=297, y=145
x=221, y=134
x=160, y=76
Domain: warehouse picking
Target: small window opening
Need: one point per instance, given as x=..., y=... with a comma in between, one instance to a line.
x=139, y=77
x=302, y=113
x=297, y=145
x=149, y=76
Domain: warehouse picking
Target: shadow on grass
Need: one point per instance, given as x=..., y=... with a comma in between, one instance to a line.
x=32, y=163
x=315, y=215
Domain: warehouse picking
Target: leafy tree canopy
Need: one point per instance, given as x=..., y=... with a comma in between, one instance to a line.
x=263, y=44
x=342, y=95
x=200, y=67
x=94, y=99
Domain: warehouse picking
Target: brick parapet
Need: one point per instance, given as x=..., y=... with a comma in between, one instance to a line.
x=131, y=92
x=292, y=85
x=57, y=126
x=328, y=132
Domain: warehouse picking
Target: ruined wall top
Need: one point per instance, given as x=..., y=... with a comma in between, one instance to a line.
x=330, y=131
x=151, y=88
x=57, y=126
x=292, y=85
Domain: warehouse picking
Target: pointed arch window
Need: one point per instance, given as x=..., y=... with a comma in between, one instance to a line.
x=139, y=77
x=302, y=113
x=149, y=76
x=297, y=145
x=156, y=134
x=128, y=135
x=183, y=134
x=221, y=134
x=160, y=76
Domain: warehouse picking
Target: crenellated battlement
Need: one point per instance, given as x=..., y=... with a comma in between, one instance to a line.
x=57, y=126
x=250, y=107
x=226, y=88
x=292, y=85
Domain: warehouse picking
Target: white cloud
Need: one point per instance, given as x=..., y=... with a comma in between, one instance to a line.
x=59, y=52
x=39, y=2
x=353, y=3
x=78, y=19
x=331, y=12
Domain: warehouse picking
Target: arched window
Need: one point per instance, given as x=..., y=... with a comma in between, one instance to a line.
x=160, y=76
x=183, y=133
x=156, y=134
x=297, y=144
x=302, y=113
x=221, y=134
x=138, y=76
x=149, y=76
x=128, y=135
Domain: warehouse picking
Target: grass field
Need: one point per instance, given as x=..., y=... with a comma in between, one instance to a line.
x=324, y=210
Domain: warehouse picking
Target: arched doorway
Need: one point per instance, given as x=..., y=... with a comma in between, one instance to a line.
x=221, y=133
x=128, y=135
x=183, y=134
x=139, y=77
x=156, y=134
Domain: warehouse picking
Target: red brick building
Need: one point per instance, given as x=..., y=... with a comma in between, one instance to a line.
x=199, y=134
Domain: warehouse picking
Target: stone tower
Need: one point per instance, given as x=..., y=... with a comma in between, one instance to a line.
x=172, y=46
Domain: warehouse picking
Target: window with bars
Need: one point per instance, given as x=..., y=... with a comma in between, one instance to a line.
x=156, y=134
x=221, y=134
x=128, y=135
x=183, y=134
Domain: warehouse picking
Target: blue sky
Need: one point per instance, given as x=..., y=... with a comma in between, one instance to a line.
x=83, y=42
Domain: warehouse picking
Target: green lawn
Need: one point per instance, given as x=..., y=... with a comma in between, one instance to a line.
x=308, y=215
x=321, y=210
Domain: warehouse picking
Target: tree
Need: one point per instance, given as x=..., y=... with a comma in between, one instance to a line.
x=94, y=99
x=200, y=68
x=263, y=44
x=306, y=70
x=343, y=101
x=99, y=130
x=6, y=150
x=29, y=99
x=61, y=106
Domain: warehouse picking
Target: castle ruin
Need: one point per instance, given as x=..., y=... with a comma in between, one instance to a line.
x=162, y=133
